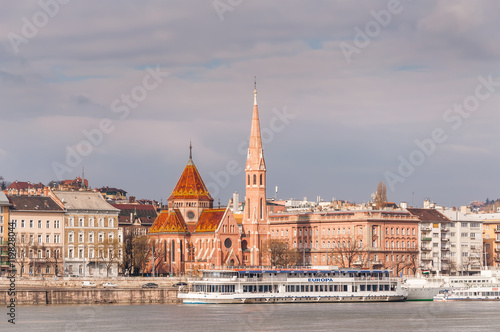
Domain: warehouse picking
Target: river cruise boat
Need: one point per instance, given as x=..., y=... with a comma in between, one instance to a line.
x=297, y=286
x=469, y=294
x=425, y=288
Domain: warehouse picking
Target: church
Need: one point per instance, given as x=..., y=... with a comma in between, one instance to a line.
x=192, y=235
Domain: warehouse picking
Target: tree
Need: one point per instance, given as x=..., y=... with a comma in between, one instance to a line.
x=139, y=252
x=350, y=252
x=279, y=252
x=110, y=253
x=380, y=197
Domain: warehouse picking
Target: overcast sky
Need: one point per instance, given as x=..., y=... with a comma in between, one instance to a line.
x=350, y=93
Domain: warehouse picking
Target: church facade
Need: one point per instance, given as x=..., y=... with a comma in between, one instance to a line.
x=192, y=235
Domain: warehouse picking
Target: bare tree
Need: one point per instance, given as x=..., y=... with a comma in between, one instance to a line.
x=139, y=253
x=109, y=253
x=349, y=252
x=380, y=195
x=279, y=252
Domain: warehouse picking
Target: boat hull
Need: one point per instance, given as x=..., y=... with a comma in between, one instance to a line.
x=202, y=299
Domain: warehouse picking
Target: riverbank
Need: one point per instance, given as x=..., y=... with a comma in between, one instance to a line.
x=70, y=291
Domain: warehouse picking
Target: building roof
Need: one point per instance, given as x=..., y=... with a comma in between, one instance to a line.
x=430, y=215
x=169, y=222
x=21, y=185
x=108, y=190
x=33, y=203
x=190, y=185
x=209, y=220
x=145, y=213
x=84, y=200
x=3, y=199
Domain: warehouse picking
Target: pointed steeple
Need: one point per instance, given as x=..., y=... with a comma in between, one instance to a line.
x=255, y=158
x=190, y=162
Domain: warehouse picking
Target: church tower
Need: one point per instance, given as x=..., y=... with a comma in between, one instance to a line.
x=255, y=221
x=190, y=196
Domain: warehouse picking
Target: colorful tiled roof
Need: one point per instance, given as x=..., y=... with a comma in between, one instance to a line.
x=169, y=222
x=190, y=185
x=209, y=220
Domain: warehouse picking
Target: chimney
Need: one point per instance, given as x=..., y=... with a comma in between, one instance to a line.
x=131, y=199
x=45, y=191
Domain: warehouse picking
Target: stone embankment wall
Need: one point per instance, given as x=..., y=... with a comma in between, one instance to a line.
x=70, y=291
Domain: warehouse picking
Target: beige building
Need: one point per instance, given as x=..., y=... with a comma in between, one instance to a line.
x=4, y=234
x=38, y=224
x=92, y=241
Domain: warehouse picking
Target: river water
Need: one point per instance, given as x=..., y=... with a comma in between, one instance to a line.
x=407, y=316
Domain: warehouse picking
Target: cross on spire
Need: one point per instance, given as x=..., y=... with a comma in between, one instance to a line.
x=190, y=151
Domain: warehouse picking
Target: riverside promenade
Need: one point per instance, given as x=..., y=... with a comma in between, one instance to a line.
x=69, y=290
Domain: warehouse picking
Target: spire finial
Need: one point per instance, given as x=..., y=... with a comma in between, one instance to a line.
x=255, y=90
x=190, y=151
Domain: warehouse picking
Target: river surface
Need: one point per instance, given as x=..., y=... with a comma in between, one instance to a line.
x=407, y=316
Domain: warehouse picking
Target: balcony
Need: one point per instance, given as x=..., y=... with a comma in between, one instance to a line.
x=426, y=258
x=497, y=250
x=497, y=240
x=445, y=248
x=425, y=249
x=358, y=263
x=497, y=258
x=426, y=229
x=445, y=239
x=445, y=259
x=497, y=230
x=444, y=229
x=430, y=239
x=374, y=263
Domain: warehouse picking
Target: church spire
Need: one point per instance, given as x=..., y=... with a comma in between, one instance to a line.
x=190, y=162
x=255, y=91
x=255, y=158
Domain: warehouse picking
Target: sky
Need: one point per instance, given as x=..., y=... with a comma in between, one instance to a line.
x=350, y=93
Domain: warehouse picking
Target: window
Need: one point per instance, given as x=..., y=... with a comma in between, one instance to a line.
x=80, y=237
x=254, y=179
x=295, y=232
x=31, y=224
x=397, y=231
x=80, y=252
x=472, y=235
x=463, y=224
x=91, y=221
x=286, y=232
x=39, y=224
x=56, y=223
x=80, y=222
x=101, y=222
x=47, y=238
x=70, y=237
x=47, y=225
x=71, y=222
x=91, y=252
x=111, y=222
x=47, y=269
x=111, y=236
x=475, y=224
x=464, y=234
x=101, y=237
x=56, y=239
x=39, y=238
x=248, y=182
x=435, y=235
x=70, y=253
x=261, y=179
x=403, y=231
x=22, y=223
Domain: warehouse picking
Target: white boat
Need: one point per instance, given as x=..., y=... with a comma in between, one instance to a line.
x=469, y=294
x=425, y=288
x=298, y=286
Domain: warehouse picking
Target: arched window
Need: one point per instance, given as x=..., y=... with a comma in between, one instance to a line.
x=254, y=179
x=248, y=208
x=261, y=179
x=248, y=179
